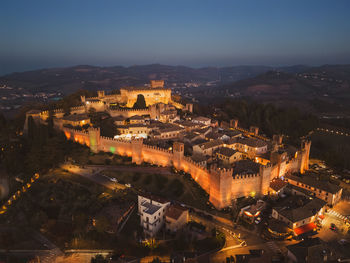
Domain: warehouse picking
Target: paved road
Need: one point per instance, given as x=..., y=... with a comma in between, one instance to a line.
x=93, y=173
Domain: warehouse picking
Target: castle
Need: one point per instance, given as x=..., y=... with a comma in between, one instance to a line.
x=226, y=163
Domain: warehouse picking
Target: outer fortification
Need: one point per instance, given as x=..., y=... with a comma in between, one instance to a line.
x=221, y=184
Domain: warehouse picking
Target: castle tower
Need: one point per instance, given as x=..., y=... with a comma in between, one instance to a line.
x=265, y=177
x=220, y=186
x=277, y=158
x=189, y=107
x=136, y=147
x=178, y=154
x=157, y=84
x=277, y=139
x=234, y=123
x=100, y=93
x=94, y=139
x=254, y=130
x=82, y=99
x=305, y=155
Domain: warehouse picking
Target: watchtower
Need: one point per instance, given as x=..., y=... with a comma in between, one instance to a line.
x=178, y=154
x=136, y=147
x=305, y=155
x=157, y=84
x=100, y=93
x=94, y=139
x=189, y=107
x=234, y=123
x=220, y=186
x=254, y=130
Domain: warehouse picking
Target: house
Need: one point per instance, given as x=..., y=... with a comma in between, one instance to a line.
x=176, y=217
x=133, y=130
x=252, y=212
x=76, y=120
x=300, y=213
x=169, y=116
x=136, y=119
x=249, y=145
x=152, y=211
x=277, y=186
x=168, y=132
x=311, y=250
x=228, y=155
x=203, y=120
x=331, y=193
x=119, y=120
x=207, y=148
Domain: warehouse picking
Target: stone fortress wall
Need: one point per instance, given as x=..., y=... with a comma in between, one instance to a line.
x=221, y=184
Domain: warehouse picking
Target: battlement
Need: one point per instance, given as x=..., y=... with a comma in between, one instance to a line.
x=246, y=176
x=129, y=110
x=138, y=90
x=189, y=160
x=75, y=131
x=76, y=108
x=151, y=147
x=94, y=129
x=220, y=170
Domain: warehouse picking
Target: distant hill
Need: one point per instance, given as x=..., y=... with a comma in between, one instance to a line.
x=68, y=80
x=318, y=89
x=311, y=88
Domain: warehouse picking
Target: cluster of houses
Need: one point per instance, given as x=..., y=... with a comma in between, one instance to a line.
x=301, y=201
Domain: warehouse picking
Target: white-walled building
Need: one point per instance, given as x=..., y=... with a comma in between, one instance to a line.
x=152, y=213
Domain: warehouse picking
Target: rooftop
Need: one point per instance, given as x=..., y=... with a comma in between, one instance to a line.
x=76, y=117
x=249, y=141
x=201, y=118
x=277, y=184
x=155, y=198
x=210, y=144
x=226, y=151
x=313, y=181
x=296, y=208
x=150, y=208
x=175, y=211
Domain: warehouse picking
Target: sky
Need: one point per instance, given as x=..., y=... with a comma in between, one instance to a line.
x=55, y=33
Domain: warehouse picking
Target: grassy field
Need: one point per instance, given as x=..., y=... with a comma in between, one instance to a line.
x=175, y=186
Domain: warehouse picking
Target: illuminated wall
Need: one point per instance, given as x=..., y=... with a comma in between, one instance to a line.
x=221, y=186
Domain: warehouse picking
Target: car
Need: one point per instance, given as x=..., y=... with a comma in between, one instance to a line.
x=128, y=185
x=114, y=180
x=332, y=227
x=257, y=220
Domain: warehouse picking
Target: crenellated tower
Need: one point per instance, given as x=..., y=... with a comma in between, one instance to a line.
x=178, y=154
x=136, y=148
x=94, y=139
x=220, y=186
x=234, y=123
x=305, y=155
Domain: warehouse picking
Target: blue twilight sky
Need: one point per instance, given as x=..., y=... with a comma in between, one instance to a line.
x=47, y=33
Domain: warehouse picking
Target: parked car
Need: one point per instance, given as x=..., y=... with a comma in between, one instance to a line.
x=332, y=227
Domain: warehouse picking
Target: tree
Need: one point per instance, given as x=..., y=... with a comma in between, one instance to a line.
x=140, y=102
